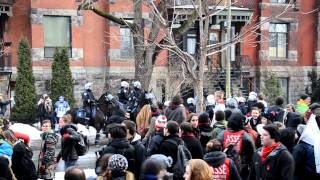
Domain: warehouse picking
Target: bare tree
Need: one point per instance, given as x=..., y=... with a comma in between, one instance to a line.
x=145, y=46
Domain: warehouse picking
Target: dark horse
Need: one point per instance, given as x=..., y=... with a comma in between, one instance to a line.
x=107, y=106
x=148, y=98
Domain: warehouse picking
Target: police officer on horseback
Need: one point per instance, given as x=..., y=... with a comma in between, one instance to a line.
x=89, y=101
x=123, y=92
x=135, y=97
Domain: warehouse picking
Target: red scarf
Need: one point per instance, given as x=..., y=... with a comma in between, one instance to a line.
x=267, y=150
x=187, y=134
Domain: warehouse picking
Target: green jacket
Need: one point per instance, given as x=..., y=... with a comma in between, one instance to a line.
x=218, y=127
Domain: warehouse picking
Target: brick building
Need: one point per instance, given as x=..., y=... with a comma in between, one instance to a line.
x=101, y=51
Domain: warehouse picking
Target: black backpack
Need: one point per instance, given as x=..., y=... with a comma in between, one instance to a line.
x=183, y=156
x=275, y=114
x=82, y=146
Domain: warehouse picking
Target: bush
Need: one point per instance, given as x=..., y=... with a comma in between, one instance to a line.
x=315, y=86
x=61, y=83
x=24, y=110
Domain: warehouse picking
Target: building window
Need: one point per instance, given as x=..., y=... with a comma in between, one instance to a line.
x=213, y=38
x=191, y=43
x=280, y=1
x=126, y=43
x=57, y=34
x=278, y=40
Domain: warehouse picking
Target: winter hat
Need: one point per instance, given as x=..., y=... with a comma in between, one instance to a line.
x=273, y=131
x=241, y=99
x=117, y=163
x=161, y=122
x=236, y=120
x=252, y=96
x=210, y=100
x=166, y=161
x=203, y=119
x=231, y=103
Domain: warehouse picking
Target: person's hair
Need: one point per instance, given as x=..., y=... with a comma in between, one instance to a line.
x=131, y=126
x=304, y=96
x=255, y=108
x=219, y=115
x=186, y=127
x=287, y=138
x=292, y=106
x=219, y=94
x=203, y=118
x=176, y=100
x=103, y=164
x=190, y=116
x=9, y=136
x=46, y=121
x=173, y=127
x=74, y=173
x=261, y=96
x=199, y=169
x=66, y=118
x=260, y=105
x=273, y=131
x=227, y=114
x=117, y=131
x=151, y=167
x=278, y=124
x=279, y=101
x=214, y=145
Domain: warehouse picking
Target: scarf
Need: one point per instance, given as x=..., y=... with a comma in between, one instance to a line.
x=267, y=150
x=187, y=134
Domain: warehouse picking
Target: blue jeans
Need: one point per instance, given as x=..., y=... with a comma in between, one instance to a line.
x=70, y=163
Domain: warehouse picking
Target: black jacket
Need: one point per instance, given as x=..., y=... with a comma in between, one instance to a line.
x=121, y=146
x=155, y=142
x=278, y=165
x=305, y=165
x=217, y=158
x=205, y=135
x=193, y=145
x=68, y=151
x=140, y=156
x=167, y=148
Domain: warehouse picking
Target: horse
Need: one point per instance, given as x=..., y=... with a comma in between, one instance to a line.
x=148, y=98
x=107, y=106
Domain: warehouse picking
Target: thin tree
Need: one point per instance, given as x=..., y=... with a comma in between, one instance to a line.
x=24, y=110
x=61, y=83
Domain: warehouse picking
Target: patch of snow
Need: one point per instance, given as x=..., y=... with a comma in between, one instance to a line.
x=85, y=131
x=32, y=132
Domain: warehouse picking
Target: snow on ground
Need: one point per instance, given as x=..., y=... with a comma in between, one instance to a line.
x=31, y=131
x=85, y=131
x=90, y=174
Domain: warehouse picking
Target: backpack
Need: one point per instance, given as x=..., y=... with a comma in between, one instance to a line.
x=275, y=114
x=183, y=156
x=82, y=146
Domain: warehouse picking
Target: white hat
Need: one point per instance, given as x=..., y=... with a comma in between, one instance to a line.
x=88, y=85
x=252, y=96
x=210, y=100
x=124, y=84
x=190, y=100
x=166, y=103
x=137, y=84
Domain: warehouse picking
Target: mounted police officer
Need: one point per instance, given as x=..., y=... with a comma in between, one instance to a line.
x=123, y=92
x=89, y=101
x=136, y=97
x=191, y=105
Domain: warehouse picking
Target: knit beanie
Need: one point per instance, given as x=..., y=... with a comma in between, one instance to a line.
x=117, y=163
x=161, y=122
x=166, y=161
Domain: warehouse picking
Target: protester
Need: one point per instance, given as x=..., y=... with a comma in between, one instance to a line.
x=176, y=111
x=3, y=105
x=306, y=152
x=191, y=105
x=46, y=164
x=220, y=125
x=242, y=105
x=276, y=113
x=6, y=172
x=156, y=140
x=153, y=169
x=290, y=108
x=255, y=118
x=252, y=100
x=169, y=145
x=5, y=147
x=74, y=173
x=287, y=138
x=218, y=161
x=194, y=120
x=69, y=138
x=45, y=108
x=273, y=160
x=205, y=129
x=151, y=124
x=218, y=97
x=117, y=167
x=198, y=169
x=119, y=144
x=262, y=99
x=303, y=104
x=60, y=108
x=191, y=142
x=135, y=140
x=102, y=166
x=210, y=105
x=238, y=143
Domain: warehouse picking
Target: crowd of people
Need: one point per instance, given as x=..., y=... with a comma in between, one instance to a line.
x=236, y=138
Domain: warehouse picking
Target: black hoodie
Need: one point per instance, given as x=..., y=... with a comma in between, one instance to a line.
x=217, y=158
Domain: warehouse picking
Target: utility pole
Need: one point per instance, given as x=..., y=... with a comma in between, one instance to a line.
x=228, y=59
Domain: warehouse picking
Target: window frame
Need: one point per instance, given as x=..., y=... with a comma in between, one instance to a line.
x=191, y=35
x=277, y=1
x=277, y=35
x=69, y=49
